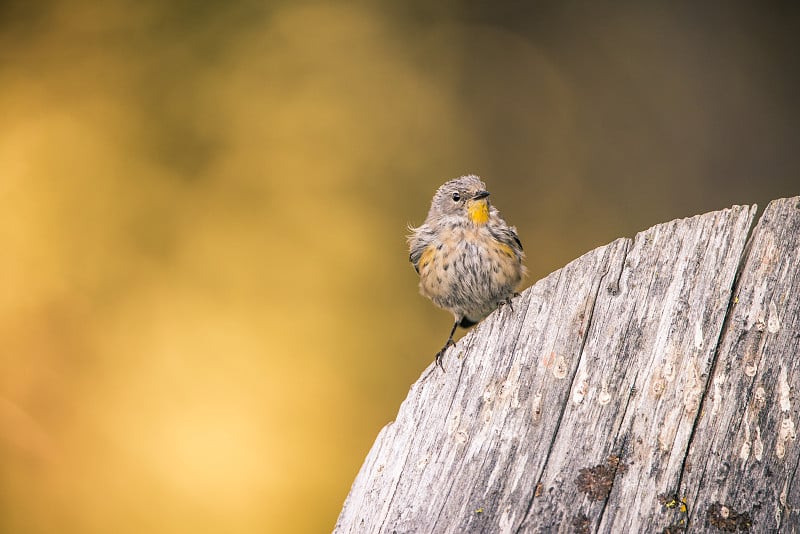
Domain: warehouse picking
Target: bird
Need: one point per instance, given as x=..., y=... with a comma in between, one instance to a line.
x=469, y=260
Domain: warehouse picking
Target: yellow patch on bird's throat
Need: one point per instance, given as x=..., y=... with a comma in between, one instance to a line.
x=478, y=211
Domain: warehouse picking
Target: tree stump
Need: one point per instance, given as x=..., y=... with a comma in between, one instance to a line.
x=648, y=386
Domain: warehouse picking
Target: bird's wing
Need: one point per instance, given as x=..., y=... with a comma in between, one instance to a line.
x=418, y=242
x=508, y=235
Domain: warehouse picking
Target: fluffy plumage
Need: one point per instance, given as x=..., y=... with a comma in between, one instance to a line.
x=468, y=259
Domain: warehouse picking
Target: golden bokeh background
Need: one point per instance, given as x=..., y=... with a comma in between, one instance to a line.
x=206, y=309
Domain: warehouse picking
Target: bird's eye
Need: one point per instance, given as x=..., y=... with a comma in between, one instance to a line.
x=456, y=197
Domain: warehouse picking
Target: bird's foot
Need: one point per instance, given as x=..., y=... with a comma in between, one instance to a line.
x=440, y=354
x=507, y=301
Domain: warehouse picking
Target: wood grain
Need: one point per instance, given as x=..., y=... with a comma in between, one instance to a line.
x=648, y=386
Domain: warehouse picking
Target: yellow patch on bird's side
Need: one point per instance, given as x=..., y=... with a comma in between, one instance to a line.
x=478, y=211
x=505, y=249
x=427, y=256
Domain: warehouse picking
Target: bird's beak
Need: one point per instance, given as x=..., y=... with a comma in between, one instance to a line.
x=480, y=194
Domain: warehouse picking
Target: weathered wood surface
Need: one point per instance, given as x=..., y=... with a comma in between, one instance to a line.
x=644, y=387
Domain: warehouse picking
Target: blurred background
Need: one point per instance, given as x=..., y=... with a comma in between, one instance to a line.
x=206, y=307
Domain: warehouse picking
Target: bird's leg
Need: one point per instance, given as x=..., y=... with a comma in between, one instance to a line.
x=440, y=354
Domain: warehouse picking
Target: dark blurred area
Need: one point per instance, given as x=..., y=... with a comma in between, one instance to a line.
x=206, y=307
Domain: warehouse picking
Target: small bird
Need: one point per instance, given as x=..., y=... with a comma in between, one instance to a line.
x=468, y=259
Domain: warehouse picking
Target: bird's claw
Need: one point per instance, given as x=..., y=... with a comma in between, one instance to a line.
x=507, y=301
x=440, y=354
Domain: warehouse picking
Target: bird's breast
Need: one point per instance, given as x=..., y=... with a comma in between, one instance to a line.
x=466, y=267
